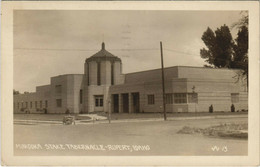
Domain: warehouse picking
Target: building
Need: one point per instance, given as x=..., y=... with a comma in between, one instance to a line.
x=103, y=87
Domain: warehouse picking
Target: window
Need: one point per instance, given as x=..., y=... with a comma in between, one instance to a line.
x=168, y=98
x=112, y=73
x=22, y=104
x=99, y=101
x=88, y=73
x=18, y=105
x=46, y=104
x=192, y=98
x=58, y=89
x=98, y=74
x=180, y=98
x=58, y=102
x=26, y=104
x=234, y=97
x=80, y=96
x=150, y=99
x=30, y=104
x=36, y=104
x=40, y=104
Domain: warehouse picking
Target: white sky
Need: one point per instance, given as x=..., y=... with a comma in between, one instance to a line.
x=78, y=35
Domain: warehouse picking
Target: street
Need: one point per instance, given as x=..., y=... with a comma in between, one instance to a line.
x=126, y=138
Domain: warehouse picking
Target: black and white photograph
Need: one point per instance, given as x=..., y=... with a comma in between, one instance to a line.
x=131, y=83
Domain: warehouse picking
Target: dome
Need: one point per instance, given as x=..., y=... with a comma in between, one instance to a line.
x=103, y=54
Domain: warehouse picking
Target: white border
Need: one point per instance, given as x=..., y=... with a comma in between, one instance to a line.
x=7, y=84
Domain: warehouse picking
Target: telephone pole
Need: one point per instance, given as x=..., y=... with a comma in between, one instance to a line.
x=163, y=86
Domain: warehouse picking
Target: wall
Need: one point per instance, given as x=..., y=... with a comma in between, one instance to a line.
x=42, y=94
x=209, y=84
x=71, y=85
x=97, y=90
x=151, y=75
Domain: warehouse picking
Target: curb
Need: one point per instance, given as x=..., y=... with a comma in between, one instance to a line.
x=87, y=122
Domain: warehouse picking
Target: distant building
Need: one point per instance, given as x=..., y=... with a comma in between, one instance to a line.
x=103, y=87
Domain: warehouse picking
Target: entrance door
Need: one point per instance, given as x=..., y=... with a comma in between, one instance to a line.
x=125, y=103
x=116, y=103
x=136, y=103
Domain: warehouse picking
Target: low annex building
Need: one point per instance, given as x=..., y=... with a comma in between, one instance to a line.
x=103, y=87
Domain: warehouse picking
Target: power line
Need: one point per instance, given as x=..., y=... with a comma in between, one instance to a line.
x=176, y=51
x=138, y=49
x=53, y=49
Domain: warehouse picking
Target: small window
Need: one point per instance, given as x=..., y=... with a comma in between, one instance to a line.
x=180, y=98
x=234, y=97
x=58, y=89
x=26, y=104
x=150, y=99
x=99, y=101
x=192, y=98
x=36, y=105
x=31, y=104
x=169, y=99
x=18, y=105
x=58, y=102
x=40, y=104
x=46, y=104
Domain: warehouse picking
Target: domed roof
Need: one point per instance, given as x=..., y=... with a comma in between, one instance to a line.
x=103, y=54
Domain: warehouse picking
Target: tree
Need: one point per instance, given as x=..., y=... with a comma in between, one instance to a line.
x=15, y=92
x=219, y=47
x=223, y=51
x=240, y=58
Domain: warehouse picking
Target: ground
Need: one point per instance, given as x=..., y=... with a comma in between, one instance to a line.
x=127, y=138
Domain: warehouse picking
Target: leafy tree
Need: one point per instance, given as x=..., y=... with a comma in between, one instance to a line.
x=223, y=51
x=15, y=92
x=240, y=58
x=219, y=47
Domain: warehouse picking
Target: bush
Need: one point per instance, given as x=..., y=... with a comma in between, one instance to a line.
x=211, y=108
x=232, y=108
x=67, y=111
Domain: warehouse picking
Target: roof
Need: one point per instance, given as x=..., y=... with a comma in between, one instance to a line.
x=103, y=54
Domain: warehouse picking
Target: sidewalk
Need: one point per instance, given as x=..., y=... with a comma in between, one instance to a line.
x=100, y=119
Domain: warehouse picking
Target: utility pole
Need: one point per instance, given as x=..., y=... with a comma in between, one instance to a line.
x=109, y=111
x=163, y=86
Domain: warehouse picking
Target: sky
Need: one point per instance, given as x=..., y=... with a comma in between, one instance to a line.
x=48, y=43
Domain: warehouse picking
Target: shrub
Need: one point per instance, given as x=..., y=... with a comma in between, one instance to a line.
x=211, y=108
x=232, y=108
x=67, y=111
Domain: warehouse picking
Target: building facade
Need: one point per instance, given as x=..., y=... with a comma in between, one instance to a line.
x=103, y=88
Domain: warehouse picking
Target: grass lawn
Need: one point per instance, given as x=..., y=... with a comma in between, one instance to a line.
x=235, y=130
x=46, y=117
x=117, y=116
